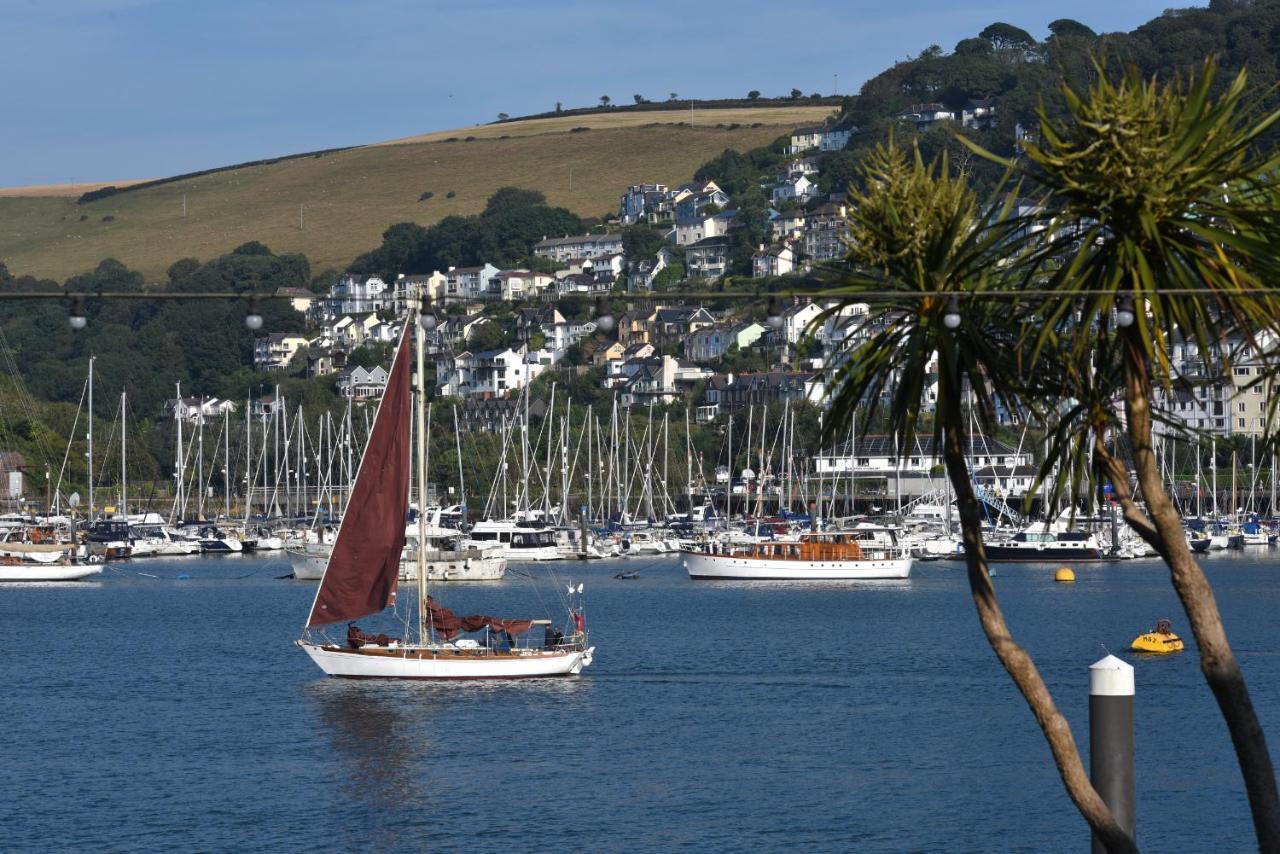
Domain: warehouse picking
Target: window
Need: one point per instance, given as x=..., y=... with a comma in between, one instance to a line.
x=1241, y=407
x=1241, y=372
x=1241, y=420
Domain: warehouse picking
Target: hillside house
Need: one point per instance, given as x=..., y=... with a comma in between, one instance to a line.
x=797, y=319
x=611, y=351
x=273, y=352
x=624, y=365
x=979, y=114
x=642, y=274
x=356, y=293
x=515, y=285
x=661, y=381
x=432, y=286
x=737, y=391
x=796, y=187
x=709, y=344
x=495, y=414
x=825, y=230
x=708, y=258
x=693, y=204
x=196, y=410
x=640, y=201
x=673, y=323
x=788, y=224
x=563, y=249
x=690, y=230
x=925, y=116
x=470, y=282
x=362, y=383
x=490, y=373
x=772, y=261
x=820, y=137
x=636, y=326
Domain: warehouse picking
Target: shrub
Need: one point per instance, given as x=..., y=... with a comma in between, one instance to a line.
x=450, y=194
x=425, y=196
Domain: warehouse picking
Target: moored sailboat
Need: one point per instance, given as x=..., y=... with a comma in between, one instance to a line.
x=363, y=570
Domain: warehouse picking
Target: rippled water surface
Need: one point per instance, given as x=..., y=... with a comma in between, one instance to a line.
x=151, y=710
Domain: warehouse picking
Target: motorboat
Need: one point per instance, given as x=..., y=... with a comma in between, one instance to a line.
x=866, y=552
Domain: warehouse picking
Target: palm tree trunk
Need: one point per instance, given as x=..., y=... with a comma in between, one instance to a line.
x=1016, y=661
x=1217, y=661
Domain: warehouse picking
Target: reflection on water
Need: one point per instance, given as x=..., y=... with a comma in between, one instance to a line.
x=386, y=733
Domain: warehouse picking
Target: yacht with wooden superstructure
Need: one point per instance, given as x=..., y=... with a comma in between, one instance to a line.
x=866, y=552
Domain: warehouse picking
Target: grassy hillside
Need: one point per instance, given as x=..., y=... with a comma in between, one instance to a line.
x=349, y=197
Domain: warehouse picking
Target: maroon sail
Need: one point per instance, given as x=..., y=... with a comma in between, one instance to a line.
x=360, y=578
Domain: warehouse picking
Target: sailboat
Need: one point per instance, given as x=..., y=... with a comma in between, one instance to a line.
x=363, y=571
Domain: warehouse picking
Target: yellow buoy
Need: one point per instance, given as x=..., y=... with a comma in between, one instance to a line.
x=1160, y=641
x=1065, y=574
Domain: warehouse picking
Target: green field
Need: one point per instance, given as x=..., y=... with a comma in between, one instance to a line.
x=348, y=198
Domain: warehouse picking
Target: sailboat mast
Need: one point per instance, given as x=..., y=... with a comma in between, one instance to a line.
x=179, y=474
x=91, y=478
x=462, y=486
x=124, y=459
x=419, y=386
x=226, y=472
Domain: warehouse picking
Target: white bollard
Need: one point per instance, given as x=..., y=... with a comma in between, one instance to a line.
x=1111, y=766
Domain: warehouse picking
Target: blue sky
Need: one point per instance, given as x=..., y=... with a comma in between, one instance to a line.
x=108, y=89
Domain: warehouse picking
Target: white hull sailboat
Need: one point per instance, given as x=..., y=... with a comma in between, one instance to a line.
x=446, y=661
x=362, y=572
x=47, y=572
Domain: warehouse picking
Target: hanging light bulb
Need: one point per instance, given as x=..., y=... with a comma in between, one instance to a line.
x=604, y=317
x=252, y=319
x=775, y=313
x=1125, y=315
x=951, y=317
x=77, y=318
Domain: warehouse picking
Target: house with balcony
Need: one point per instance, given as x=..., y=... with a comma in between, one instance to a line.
x=516, y=285
x=352, y=294
x=660, y=381
x=825, y=233
x=273, y=352
x=562, y=249
x=462, y=283
x=360, y=383
x=490, y=373
x=708, y=258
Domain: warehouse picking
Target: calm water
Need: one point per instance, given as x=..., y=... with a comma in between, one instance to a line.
x=147, y=712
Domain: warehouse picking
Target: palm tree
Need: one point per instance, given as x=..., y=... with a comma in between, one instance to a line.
x=1164, y=188
x=922, y=246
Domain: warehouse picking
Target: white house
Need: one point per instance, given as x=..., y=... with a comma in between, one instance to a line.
x=300, y=299
x=925, y=116
x=274, y=352
x=825, y=232
x=490, y=373
x=820, y=137
x=352, y=294
x=197, y=409
x=561, y=249
x=979, y=114
x=796, y=186
x=797, y=318
x=470, y=282
x=772, y=261
x=645, y=271
x=640, y=201
x=692, y=229
x=515, y=285
x=432, y=286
